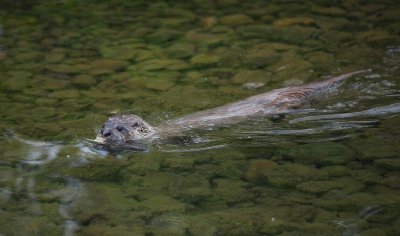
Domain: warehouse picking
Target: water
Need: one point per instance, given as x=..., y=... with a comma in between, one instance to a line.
x=330, y=168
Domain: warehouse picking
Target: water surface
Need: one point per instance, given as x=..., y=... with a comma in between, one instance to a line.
x=330, y=168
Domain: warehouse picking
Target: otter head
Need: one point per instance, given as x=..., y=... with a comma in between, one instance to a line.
x=120, y=129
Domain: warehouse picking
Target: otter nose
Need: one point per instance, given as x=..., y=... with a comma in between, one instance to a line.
x=105, y=133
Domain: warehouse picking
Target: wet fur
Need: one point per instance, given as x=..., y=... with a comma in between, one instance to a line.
x=275, y=103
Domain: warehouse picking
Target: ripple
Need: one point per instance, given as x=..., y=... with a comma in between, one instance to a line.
x=377, y=111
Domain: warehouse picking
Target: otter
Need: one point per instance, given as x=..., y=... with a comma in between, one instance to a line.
x=124, y=129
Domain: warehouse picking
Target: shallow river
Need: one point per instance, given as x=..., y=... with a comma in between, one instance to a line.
x=330, y=168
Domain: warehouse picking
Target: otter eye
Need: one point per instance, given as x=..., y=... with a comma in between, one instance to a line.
x=106, y=134
x=136, y=124
x=120, y=128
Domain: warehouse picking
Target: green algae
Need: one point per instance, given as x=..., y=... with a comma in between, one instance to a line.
x=101, y=170
x=180, y=50
x=62, y=74
x=204, y=59
x=161, y=64
x=255, y=168
x=84, y=81
x=235, y=20
x=246, y=76
x=178, y=164
x=333, y=154
x=230, y=191
x=290, y=175
x=161, y=204
x=205, y=38
x=105, y=66
x=392, y=164
x=55, y=57
x=124, y=52
x=349, y=185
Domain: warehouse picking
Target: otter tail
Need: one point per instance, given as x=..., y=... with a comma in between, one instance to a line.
x=294, y=96
x=332, y=80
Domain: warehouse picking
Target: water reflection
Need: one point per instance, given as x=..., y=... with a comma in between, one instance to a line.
x=38, y=154
x=373, y=112
x=353, y=226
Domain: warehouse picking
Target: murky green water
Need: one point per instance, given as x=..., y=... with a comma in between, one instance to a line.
x=65, y=66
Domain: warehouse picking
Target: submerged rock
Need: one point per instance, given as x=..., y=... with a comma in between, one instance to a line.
x=208, y=21
x=336, y=171
x=27, y=56
x=254, y=169
x=375, y=147
x=333, y=11
x=101, y=229
x=220, y=72
x=320, y=58
x=161, y=204
x=179, y=12
x=391, y=14
x=289, y=175
x=318, y=154
x=391, y=164
x=56, y=56
x=161, y=180
x=142, y=55
x=159, y=84
x=16, y=80
x=294, y=21
x=349, y=185
x=104, y=66
x=84, y=81
x=180, y=50
x=144, y=165
x=159, y=64
x=200, y=37
x=169, y=224
x=62, y=69
x=124, y=52
x=261, y=57
x=359, y=200
x=235, y=222
x=232, y=191
x=99, y=170
x=191, y=188
x=41, y=113
x=235, y=19
x=391, y=179
x=3, y=55
x=373, y=232
x=259, y=31
x=227, y=3
x=251, y=76
x=70, y=93
x=164, y=35
x=375, y=36
x=178, y=163
x=204, y=59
